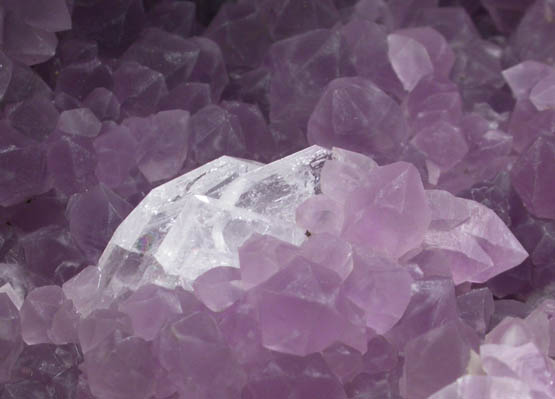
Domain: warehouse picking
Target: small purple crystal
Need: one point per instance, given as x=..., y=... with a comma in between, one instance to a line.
x=354, y=114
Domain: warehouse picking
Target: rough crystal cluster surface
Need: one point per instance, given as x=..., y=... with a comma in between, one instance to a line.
x=251, y=264
x=388, y=272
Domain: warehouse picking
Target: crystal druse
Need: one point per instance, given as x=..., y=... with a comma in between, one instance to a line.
x=264, y=199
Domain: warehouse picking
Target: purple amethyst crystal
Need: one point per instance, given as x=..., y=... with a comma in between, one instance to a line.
x=153, y=164
x=162, y=143
x=93, y=216
x=418, y=52
x=398, y=224
x=11, y=343
x=79, y=122
x=532, y=177
x=353, y=113
x=48, y=317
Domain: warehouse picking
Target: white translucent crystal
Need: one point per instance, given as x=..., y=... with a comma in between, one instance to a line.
x=197, y=221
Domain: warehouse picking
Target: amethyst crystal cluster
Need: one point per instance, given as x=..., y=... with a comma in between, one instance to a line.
x=261, y=199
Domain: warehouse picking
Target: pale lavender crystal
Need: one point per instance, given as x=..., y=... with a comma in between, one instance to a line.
x=79, y=122
x=260, y=144
x=443, y=353
x=209, y=67
x=150, y=308
x=329, y=251
x=23, y=167
x=320, y=214
x=215, y=132
x=44, y=371
x=527, y=124
x=354, y=114
x=229, y=28
x=289, y=18
x=532, y=177
x=239, y=325
x=522, y=78
x=543, y=93
x=11, y=343
x=64, y=325
x=71, y=162
x=174, y=17
x=477, y=71
x=138, y=88
x=126, y=18
x=24, y=82
x=193, y=346
x=537, y=22
x=56, y=18
x=65, y=102
x=166, y=53
x=121, y=368
x=511, y=349
x=476, y=309
x=103, y=103
x=367, y=44
x=431, y=101
x=115, y=151
x=453, y=23
x=344, y=361
x=252, y=87
x=381, y=288
x=294, y=377
x=258, y=257
x=100, y=325
x=162, y=143
x=301, y=67
x=6, y=73
x=380, y=356
x=219, y=288
x=93, y=217
x=187, y=96
x=547, y=307
x=475, y=241
x=347, y=167
x=35, y=117
x=47, y=248
x=417, y=52
x=482, y=386
x=506, y=14
x=77, y=50
x=81, y=78
x=14, y=296
x=83, y=289
x=442, y=143
x=432, y=304
x=489, y=153
x=393, y=199
x=26, y=43
x=374, y=11
x=302, y=311
x=48, y=317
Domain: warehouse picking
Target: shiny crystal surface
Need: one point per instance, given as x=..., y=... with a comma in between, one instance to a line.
x=198, y=221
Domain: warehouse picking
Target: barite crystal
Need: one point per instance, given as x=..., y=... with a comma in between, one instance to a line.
x=198, y=221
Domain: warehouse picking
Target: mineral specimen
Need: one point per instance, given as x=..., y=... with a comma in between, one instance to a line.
x=158, y=239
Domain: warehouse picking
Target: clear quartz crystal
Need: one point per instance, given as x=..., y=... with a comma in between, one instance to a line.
x=197, y=221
